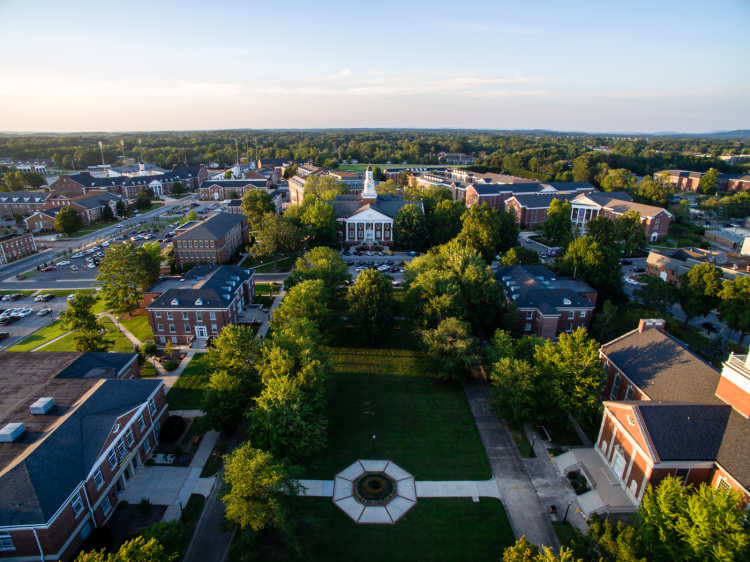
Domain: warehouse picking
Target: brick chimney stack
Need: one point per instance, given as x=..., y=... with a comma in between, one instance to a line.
x=648, y=323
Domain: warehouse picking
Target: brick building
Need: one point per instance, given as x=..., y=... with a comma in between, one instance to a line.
x=76, y=427
x=16, y=246
x=74, y=185
x=733, y=182
x=90, y=207
x=587, y=206
x=681, y=180
x=668, y=412
x=497, y=194
x=199, y=303
x=549, y=305
x=219, y=190
x=531, y=209
x=22, y=202
x=210, y=242
x=670, y=264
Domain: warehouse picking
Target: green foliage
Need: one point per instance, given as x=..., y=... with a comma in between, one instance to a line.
x=79, y=314
x=255, y=204
x=371, y=303
x=320, y=224
x=444, y=223
x=144, y=506
x=224, y=401
x=319, y=263
x=172, y=429
x=699, y=290
x=325, y=188
x=520, y=256
x=515, y=390
x=125, y=271
x=656, y=294
x=308, y=299
x=716, y=350
x=170, y=366
x=605, y=321
x=107, y=213
x=480, y=231
x=524, y=551
x=653, y=192
x=410, y=227
x=451, y=348
x=618, y=180
x=558, y=227
x=143, y=199
x=235, y=351
x=274, y=234
x=137, y=550
x=597, y=265
x=168, y=534
x=709, y=182
x=92, y=340
x=629, y=232
x=68, y=221
x=734, y=308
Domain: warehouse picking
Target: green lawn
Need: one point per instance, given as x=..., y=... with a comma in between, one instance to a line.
x=139, y=327
x=566, y=533
x=148, y=371
x=187, y=391
x=63, y=293
x=541, y=240
x=213, y=464
x=49, y=332
x=522, y=442
x=121, y=343
x=265, y=265
x=422, y=424
x=131, y=210
x=24, y=293
x=562, y=434
x=92, y=228
x=100, y=306
x=435, y=530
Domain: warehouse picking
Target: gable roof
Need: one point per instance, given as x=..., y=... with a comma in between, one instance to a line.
x=214, y=286
x=535, y=286
x=620, y=202
x=24, y=196
x=215, y=226
x=497, y=188
x=349, y=205
x=541, y=200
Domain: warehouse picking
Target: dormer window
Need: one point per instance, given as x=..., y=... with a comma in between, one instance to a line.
x=199, y=302
x=175, y=302
x=567, y=302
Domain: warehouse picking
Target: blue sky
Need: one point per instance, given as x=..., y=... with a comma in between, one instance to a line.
x=636, y=66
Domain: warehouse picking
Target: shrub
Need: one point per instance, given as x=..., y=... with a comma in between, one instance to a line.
x=172, y=429
x=168, y=534
x=170, y=366
x=144, y=506
x=177, y=449
x=150, y=462
x=100, y=538
x=122, y=505
x=149, y=349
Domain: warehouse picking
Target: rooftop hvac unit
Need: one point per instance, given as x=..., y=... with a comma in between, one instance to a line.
x=11, y=432
x=42, y=406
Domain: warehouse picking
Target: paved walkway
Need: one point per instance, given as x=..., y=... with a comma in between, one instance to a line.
x=204, y=450
x=425, y=489
x=187, y=413
x=525, y=511
x=263, y=330
x=171, y=378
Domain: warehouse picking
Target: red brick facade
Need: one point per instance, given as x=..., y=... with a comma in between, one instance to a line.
x=16, y=246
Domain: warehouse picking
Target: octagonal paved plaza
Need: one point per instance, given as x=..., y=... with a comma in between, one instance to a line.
x=403, y=500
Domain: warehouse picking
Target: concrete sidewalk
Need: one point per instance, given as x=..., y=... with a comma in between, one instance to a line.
x=263, y=330
x=171, y=378
x=425, y=489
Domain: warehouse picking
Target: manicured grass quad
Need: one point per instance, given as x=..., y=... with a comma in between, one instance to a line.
x=139, y=327
x=40, y=337
x=187, y=392
x=121, y=343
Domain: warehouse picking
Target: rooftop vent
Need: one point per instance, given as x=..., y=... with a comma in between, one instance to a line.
x=567, y=301
x=515, y=297
x=42, y=406
x=11, y=432
x=199, y=302
x=506, y=277
x=226, y=297
x=514, y=288
x=235, y=278
x=175, y=302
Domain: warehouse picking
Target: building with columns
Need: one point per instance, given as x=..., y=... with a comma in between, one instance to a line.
x=587, y=206
x=368, y=218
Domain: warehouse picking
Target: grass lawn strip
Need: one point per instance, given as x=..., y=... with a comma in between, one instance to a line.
x=422, y=424
x=213, y=464
x=121, y=343
x=24, y=293
x=139, y=327
x=40, y=337
x=565, y=532
x=436, y=529
x=522, y=442
x=187, y=392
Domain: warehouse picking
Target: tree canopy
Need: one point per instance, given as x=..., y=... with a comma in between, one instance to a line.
x=594, y=263
x=410, y=227
x=371, y=304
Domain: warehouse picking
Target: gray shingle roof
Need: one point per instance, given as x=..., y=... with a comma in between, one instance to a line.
x=24, y=196
x=349, y=205
x=542, y=200
x=497, y=188
x=93, y=361
x=571, y=185
x=214, y=227
x=209, y=286
x=234, y=183
x=540, y=288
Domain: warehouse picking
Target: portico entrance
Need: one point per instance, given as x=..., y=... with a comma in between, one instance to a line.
x=201, y=332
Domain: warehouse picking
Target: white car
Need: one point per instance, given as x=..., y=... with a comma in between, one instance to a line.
x=71, y=297
x=62, y=263
x=8, y=312
x=44, y=312
x=96, y=248
x=25, y=312
x=105, y=245
x=78, y=255
x=91, y=266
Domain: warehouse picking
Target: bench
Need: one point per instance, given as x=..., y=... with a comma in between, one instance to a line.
x=196, y=439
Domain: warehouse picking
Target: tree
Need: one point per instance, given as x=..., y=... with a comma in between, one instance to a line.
x=699, y=290
x=618, y=180
x=558, y=227
x=629, y=232
x=654, y=192
x=595, y=264
x=709, y=181
x=79, y=314
x=444, y=223
x=274, y=235
x=92, y=340
x=136, y=550
x=260, y=491
x=255, y=204
x=656, y=294
x=168, y=534
x=235, y=351
x=120, y=275
x=321, y=224
x=319, y=263
x=451, y=348
x=602, y=230
x=480, y=231
x=387, y=188
x=605, y=321
x=377, y=174
x=325, y=188
x=410, y=227
x=149, y=264
x=68, y=221
x=177, y=188
x=371, y=303
x=684, y=523
x=224, y=401
x=734, y=309
x=515, y=390
x=507, y=230
x=120, y=208
x=191, y=216
x=309, y=300
x=107, y=213
x=524, y=551
x=143, y=199
x=520, y=256
x=716, y=350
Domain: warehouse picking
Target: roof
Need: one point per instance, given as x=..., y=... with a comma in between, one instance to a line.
x=495, y=188
x=214, y=286
x=571, y=185
x=621, y=203
x=681, y=173
x=176, y=174
x=24, y=196
x=234, y=183
x=535, y=286
x=215, y=226
x=684, y=432
x=541, y=200
x=663, y=368
x=273, y=161
x=734, y=446
x=347, y=206
x=134, y=168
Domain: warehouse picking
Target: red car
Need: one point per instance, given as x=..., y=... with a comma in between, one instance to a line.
x=46, y=269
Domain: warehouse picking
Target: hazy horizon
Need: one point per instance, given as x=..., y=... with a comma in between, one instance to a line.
x=580, y=67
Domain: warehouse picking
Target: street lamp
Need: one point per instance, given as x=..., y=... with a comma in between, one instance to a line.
x=118, y=322
x=182, y=513
x=373, y=447
x=566, y=512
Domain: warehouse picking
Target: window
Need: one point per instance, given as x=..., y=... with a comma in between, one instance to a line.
x=169, y=316
x=187, y=328
x=528, y=327
x=606, y=367
x=163, y=339
x=184, y=315
x=529, y=314
x=77, y=505
x=171, y=328
x=212, y=315
x=571, y=314
x=86, y=531
x=723, y=485
x=98, y=478
x=174, y=339
x=615, y=387
x=6, y=542
x=129, y=436
x=583, y=314
x=121, y=448
x=141, y=422
x=569, y=328
x=682, y=474
x=212, y=244
x=106, y=505
x=214, y=328
x=200, y=242
x=157, y=428
x=157, y=314
x=199, y=317
x=629, y=394
x=146, y=445
x=160, y=327
x=112, y=458
x=152, y=406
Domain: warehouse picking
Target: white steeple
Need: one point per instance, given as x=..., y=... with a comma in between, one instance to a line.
x=369, y=191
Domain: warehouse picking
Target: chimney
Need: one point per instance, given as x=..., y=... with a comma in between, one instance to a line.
x=648, y=323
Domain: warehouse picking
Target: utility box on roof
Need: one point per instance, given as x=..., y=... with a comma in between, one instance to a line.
x=42, y=406
x=11, y=432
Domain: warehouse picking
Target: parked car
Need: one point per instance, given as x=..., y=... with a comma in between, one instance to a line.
x=389, y=262
x=15, y=297
x=4, y=335
x=50, y=268
x=8, y=320
x=61, y=263
x=71, y=297
x=25, y=312
x=639, y=270
x=78, y=255
x=711, y=327
x=74, y=268
x=44, y=312
x=91, y=266
x=626, y=262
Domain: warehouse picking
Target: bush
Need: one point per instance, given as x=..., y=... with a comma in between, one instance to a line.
x=122, y=505
x=149, y=349
x=170, y=366
x=177, y=449
x=150, y=462
x=172, y=429
x=100, y=538
x=168, y=534
x=144, y=506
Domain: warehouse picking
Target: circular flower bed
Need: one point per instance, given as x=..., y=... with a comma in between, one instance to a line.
x=374, y=488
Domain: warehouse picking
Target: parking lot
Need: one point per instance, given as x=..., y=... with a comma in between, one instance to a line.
x=25, y=326
x=374, y=260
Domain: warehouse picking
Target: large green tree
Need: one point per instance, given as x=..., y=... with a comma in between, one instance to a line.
x=656, y=294
x=410, y=228
x=275, y=235
x=451, y=349
x=371, y=303
x=121, y=277
x=709, y=182
x=319, y=263
x=255, y=204
x=79, y=314
x=224, y=400
x=558, y=227
x=508, y=231
x=235, y=351
x=480, y=231
x=515, y=390
x=321, y=227
x=618, y=180
x=68, y=221
x=520, y=256
x=628, y=231
x=699, y=290
x=444, y=223
x=602, y=230
x=734, y=308
x=138, y=549
x=308, y=299
x=594, y=263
